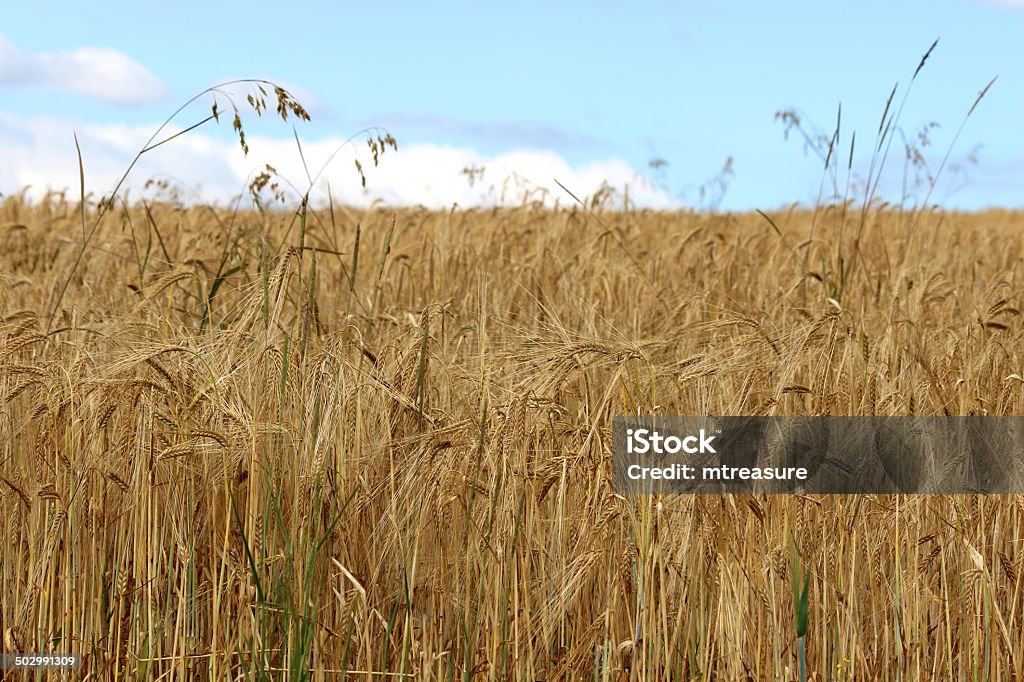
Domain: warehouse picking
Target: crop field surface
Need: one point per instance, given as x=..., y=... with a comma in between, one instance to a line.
x=375, y=444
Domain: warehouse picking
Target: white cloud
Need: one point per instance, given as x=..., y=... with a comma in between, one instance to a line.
x=41, y=153
x=102, y=73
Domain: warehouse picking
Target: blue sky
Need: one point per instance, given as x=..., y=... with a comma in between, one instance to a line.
x=578, y=91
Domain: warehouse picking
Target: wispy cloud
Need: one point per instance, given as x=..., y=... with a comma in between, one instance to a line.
x=308, y=98
x=105, y=74
x=508, y=133
x=1005, y=4
x=41, y=153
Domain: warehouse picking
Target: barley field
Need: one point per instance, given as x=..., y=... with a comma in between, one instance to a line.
x=375, y=445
